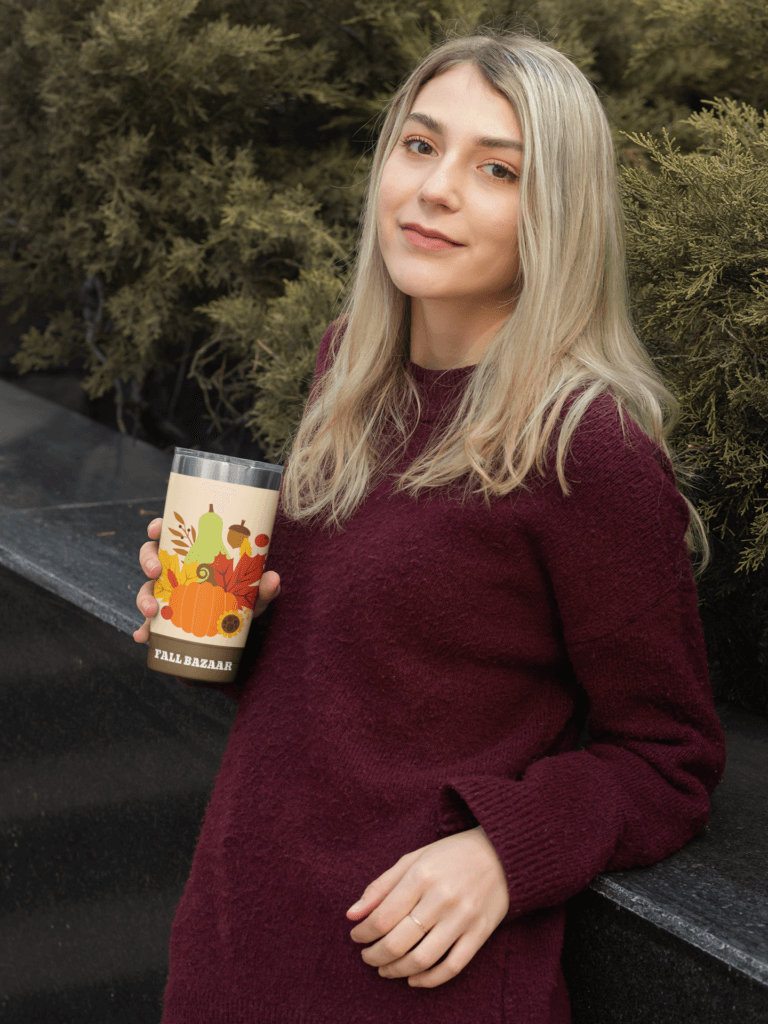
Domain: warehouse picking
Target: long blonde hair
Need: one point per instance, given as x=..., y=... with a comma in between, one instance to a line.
x=569, y=333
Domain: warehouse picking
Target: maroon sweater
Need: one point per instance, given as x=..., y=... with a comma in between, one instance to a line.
x=429, y=668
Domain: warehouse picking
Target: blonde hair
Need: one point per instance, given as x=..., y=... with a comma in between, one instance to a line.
x=569, y=334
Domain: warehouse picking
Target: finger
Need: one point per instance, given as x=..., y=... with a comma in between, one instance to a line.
x=269, y=588
x=394, y=946
x=145, y=600
x=462, y=952
x=147, y=605
x=154, y=529
x=425, y=954
x=141, y=635
x=148, y=559
x=375, y=894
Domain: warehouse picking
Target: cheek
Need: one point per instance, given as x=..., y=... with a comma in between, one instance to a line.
x=388, y=189
x=389, y=204
x=384, y=215
x=502, y=263
x=399, y=186
x=506, y=243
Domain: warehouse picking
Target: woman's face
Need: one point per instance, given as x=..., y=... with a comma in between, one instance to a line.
x=448, y=199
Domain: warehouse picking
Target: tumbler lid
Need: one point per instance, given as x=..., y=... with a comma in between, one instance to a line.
x=226, y=468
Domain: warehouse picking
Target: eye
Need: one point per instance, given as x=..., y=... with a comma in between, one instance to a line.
x=415, y=144
x=500, y=172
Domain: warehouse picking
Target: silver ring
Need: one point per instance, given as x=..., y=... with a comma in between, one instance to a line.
x=418, y=922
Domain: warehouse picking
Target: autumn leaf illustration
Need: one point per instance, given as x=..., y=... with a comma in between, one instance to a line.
x=245, y=547
x=188, y=574
x=241, y=580
x=222, y=571
x=181, y=540
x=245, y=578
x=183, y=535
x=163, y=583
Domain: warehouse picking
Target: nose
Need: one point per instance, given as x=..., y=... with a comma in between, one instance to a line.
x=442, y=187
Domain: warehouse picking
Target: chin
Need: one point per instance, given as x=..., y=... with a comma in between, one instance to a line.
x=415, y=287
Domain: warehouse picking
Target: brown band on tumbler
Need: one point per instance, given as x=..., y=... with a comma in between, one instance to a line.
x=190, y=660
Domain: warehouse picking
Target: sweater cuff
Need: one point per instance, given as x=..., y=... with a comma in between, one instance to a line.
x=454, y=814
x=545, y=861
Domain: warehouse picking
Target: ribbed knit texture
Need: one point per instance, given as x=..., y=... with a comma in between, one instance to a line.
x=428, y=668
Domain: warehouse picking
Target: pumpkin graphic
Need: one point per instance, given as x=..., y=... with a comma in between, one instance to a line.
x=198, y=607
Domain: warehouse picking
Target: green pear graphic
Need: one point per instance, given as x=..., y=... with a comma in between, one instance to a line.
x=209, y=541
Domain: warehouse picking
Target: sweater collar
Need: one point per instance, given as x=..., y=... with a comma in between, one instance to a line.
x=437, y=388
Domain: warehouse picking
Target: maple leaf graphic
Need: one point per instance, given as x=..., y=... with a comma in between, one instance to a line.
x=222, y=571
x=242, y=580
x=245, y=579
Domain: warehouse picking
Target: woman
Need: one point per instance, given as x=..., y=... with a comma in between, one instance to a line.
x=481, y=540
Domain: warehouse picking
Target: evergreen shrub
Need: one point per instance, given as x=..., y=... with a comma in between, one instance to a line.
x=698, y=260
x=153, y=186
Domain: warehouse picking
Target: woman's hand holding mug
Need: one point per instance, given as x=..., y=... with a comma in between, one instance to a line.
x=269, y=585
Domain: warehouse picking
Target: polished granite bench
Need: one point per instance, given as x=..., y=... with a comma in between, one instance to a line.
x=107, y=769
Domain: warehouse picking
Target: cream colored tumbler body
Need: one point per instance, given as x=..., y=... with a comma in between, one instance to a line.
x=217, y=524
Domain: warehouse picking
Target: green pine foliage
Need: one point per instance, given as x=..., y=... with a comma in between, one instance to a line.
x=698, y=247
x=180, y=188
x=148, y=176
x=704, y=48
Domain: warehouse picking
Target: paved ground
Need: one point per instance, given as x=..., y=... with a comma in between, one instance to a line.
x=106, y=772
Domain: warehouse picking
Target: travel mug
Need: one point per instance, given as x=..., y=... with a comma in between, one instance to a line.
x=217, y=523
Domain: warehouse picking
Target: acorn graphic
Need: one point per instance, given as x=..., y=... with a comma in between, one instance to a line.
x=209, y=543
x=237, y=534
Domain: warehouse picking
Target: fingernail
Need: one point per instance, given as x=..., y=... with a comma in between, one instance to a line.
x=147, y=609
x=153, y=566
x=356, y=906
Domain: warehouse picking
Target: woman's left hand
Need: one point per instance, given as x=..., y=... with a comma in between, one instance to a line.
x=457, y=893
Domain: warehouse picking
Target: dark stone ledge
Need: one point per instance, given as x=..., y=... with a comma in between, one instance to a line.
x=75, y=500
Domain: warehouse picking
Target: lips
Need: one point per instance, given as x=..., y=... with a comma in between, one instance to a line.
x=424, y=238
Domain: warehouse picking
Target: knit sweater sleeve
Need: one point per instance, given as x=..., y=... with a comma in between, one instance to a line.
x=616, y=557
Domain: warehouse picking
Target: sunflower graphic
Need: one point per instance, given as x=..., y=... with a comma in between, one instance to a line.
x=231, y=622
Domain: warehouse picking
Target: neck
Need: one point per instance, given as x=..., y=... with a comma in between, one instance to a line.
x=446, y=335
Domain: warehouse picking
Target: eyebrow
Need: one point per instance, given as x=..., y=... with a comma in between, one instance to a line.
x=488, y=142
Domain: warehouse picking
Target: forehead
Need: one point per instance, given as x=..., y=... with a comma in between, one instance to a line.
x=462, y=98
